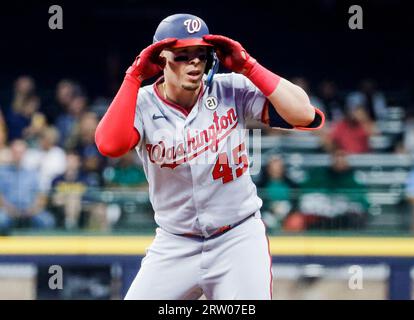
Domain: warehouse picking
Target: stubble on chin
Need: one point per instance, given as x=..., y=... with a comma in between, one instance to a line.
x=191, y=87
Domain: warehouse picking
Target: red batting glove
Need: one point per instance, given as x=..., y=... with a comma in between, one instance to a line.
x=116, y=134
x=231, y=53
x=235, y=58
x=149, y=63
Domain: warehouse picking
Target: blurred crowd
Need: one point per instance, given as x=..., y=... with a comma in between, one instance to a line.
x=50, y=167
x=51, y=171
x=331, y=197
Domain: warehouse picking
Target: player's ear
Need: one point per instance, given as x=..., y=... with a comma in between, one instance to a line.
x=162, y=59
x=162, y=62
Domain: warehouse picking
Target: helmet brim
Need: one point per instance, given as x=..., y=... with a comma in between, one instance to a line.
x=182, y=43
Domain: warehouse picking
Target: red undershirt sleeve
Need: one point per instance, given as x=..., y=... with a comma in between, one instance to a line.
x=116, y=134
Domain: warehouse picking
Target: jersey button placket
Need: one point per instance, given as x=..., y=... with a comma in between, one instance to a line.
x=193, y=170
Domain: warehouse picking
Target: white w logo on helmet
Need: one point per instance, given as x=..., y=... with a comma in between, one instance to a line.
x=193, y=25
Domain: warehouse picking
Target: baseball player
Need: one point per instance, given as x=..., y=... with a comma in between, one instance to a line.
x=185, y=128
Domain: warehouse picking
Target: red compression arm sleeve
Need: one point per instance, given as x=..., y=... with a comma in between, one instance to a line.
x=116, y=134
x=263, y=79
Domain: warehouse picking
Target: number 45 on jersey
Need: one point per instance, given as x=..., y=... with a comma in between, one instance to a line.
x=223, y=170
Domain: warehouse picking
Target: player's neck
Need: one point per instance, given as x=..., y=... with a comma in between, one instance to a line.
x=182, y=97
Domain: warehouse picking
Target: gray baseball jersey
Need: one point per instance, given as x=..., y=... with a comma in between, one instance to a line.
x=196, y=163
x=197, y=167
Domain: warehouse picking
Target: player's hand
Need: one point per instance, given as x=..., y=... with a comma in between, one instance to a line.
x=149, y=63
x=231, y=53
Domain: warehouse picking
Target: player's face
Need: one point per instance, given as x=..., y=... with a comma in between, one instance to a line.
x=185, y=66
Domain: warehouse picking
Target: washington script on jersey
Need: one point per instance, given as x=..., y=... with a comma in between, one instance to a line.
x=198, y=141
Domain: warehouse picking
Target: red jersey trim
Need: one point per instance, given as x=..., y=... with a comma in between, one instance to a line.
x=319, y=116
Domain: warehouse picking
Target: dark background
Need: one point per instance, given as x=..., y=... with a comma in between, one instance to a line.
x=99, y=40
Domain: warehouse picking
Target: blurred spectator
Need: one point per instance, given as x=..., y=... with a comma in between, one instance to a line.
x=70, y=194
x=99, y=106
x=408, y=134
x=84, y=132
x=277, y=192
x=65, y=122
x=37, y=124
x=20, y=198
x=47, y=158
x=352, y=133
x=25, y=119
x=68, y=189
x=82, y=141
x=66, y=90
x=409, y=191
x=330, y=198
x=125, y=172
x=16, y=114
x=331, y=102
x=369, y=97
x=5, y=156
x=24, y=88
x=92, y=167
